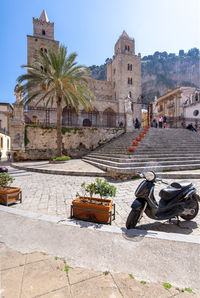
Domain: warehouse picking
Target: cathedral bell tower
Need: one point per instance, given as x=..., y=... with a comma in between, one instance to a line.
x=124, y=71
x=42, y=38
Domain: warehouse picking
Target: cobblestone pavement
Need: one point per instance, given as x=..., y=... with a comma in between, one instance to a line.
x=53, y=194
x=33, y=275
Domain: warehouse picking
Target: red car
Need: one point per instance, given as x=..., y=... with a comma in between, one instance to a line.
x=3, y=170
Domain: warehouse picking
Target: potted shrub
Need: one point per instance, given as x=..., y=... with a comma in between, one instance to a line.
x=131, y=149
x=96, y=209
x=138, y=139
x=135, y=143
x=8, y=194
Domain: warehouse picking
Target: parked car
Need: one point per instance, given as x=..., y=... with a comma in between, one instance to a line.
x=3, y=170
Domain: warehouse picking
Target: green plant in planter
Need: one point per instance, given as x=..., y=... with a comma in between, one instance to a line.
x=104, y=189
x=5, y=180
x=91, y=188
x=100, y=187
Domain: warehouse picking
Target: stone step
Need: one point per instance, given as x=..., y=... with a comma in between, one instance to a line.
x=141, y=159
x=136, y=155
x=134, y=164
x=129, y=170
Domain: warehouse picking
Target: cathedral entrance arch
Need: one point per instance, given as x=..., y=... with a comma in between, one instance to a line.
x=90, y=118
x=69, y=117
x=109, y=118
x=87, y=122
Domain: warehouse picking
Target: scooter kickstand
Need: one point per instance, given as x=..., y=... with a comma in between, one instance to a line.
x=177, y=220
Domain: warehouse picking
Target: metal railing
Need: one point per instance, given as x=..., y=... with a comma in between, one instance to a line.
x=70, y=118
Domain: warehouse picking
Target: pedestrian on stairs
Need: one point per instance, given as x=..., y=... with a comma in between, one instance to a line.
x=164, y=121
x=137, y=124
x=160, y=121
x=154, y=124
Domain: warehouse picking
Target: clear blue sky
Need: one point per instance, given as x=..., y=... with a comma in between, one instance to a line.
x=91, y=28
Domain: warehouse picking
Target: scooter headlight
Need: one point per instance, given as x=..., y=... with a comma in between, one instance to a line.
x=150, y=176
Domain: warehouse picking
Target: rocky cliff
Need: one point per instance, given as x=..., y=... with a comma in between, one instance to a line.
x=162, y=71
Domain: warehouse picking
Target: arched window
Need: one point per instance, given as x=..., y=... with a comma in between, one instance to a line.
x=130, y=81
x=69, y=117
x=129, y=67
x=109, y=118
x=43, y=32
x=92, y=116
x=130, y=94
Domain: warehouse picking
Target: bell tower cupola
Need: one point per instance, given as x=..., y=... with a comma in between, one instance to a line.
x=125, y=45
x=42, y=27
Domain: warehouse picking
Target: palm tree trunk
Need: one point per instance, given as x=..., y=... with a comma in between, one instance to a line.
x=59, y=137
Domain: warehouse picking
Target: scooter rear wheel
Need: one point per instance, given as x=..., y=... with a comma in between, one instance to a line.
x=195, y=209
x=132, y=219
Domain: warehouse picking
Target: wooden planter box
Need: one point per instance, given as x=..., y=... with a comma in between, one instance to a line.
x=10, y=195
x=93, y=209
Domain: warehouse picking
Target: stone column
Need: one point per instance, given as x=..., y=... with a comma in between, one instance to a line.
x=101, y=118
x=79, y=120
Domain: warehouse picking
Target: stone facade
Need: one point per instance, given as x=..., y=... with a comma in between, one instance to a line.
x=175, y=104
x=5, y=141
x=116, y=98
x=116, y=103
x=5, y=115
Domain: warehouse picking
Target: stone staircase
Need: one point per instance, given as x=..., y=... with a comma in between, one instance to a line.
x=161, y=150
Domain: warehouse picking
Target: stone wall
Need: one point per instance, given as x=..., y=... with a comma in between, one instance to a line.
x=76, y=142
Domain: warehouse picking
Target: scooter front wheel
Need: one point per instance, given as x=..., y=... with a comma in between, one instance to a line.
x=194, y=210
x=133, y=218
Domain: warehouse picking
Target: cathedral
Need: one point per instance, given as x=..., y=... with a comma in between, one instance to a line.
x=117, y=100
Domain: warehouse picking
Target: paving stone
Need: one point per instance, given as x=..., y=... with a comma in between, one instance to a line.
x=35, y=257
x=130, y=287
x=62, y=293
x=10, y=258
x=40, y=278
x=11, y=280
x=77, y=275
x=104, y=287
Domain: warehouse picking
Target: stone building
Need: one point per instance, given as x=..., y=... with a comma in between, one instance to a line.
x=180, y=106
x=5, y=115
x=116, y=100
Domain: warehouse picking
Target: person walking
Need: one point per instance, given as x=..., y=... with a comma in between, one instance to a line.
x=160, y=121
x=164, y=121
x=154, y=124
x=137, y=124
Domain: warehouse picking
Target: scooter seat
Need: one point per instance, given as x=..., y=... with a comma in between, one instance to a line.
x=182, y=184
x=174, y=189
x=169, y=193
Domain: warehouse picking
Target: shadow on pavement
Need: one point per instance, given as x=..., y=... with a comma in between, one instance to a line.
x=185, y=227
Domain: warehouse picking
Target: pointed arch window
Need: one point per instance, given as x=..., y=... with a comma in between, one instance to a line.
x=130, y=81
x=129, y=67
x=127, y=48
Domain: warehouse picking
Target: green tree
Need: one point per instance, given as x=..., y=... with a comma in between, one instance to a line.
x=54, y=77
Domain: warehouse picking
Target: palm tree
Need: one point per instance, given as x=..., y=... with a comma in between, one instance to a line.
x=55, y=78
